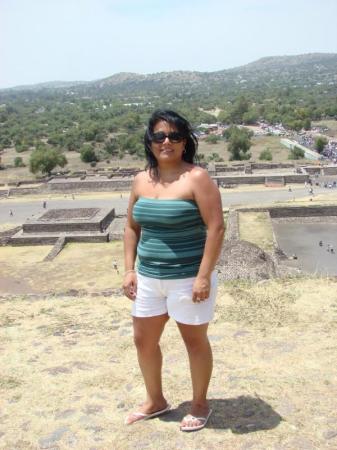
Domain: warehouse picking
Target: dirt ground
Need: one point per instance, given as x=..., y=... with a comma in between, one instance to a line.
x=69, y=374
x=259, y=143
x=81, y=266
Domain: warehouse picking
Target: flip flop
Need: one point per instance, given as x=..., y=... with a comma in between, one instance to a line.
x=142, y=416
x=204, y=421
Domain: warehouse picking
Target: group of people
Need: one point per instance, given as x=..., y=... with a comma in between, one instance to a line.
x=172, y=241
x=329, y=247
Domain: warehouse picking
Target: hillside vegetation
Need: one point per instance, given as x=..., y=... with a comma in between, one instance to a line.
x=106, y=118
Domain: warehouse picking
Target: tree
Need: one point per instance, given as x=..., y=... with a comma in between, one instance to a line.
x=296, y=153
x=240, y=107
x=238, y=143
x=307, y=124
x=250, y=117
x=45, y=160
x=224, y=116
x=320, y=143
x=88, y=154
x=111, y=147
x=266, y=155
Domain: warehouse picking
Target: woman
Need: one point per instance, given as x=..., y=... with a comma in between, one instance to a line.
x=175, y=230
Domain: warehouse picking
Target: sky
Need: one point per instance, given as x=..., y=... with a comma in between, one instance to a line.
x=85, y=40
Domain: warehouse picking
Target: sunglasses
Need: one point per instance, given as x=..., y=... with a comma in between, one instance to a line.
x=175, y=137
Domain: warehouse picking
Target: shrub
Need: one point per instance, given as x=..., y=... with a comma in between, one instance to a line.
x=18, y=162
x=212, y=139
x=266, y=155
x=88, y=154
x=296, y=153
x=320, y=143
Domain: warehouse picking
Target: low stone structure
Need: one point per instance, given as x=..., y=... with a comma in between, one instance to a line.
x=240, y=259
x=90, y=184
x=260, y=179
x=302, y=211
x=75, y=225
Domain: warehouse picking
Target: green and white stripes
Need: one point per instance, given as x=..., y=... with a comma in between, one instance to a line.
x=172, y=238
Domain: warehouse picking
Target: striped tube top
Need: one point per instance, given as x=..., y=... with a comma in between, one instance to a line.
x=172, y=239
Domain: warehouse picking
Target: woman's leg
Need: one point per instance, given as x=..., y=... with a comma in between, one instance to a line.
x=147, y=333
x=201, y=364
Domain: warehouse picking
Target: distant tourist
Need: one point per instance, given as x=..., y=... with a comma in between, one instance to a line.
x=44, y=204
x=320, y=243
x=115, y=266
x=10, y=212
x=175, y=230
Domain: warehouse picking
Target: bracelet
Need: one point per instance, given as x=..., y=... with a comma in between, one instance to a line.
x=129, y=271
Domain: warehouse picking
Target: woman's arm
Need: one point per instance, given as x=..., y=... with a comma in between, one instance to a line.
x=208, y=199
x=131, y=238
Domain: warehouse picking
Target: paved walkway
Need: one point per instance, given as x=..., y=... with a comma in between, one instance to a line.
x=23, y=209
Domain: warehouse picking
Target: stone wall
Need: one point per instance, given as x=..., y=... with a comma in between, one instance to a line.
x=330, y=170
x=271, y=166
x=303, y=211
x=23, y=182
x=97, y=224
x=91, y=185
x=296, y=178
x=294, y=211
x=313, y=170
x=51, y=240
x=108, y=219
x=28, y=191
x=5, y=236
x=232, y=226
x=260, y=179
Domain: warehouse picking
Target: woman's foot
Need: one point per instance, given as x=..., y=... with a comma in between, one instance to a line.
x=147, y=411
x=197, y=418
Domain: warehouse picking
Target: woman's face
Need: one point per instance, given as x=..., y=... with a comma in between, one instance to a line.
x=172, y=146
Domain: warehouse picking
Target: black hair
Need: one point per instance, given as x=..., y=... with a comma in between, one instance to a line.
x=182, y=126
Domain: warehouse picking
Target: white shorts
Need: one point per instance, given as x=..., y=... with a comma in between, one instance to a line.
x=156, y=297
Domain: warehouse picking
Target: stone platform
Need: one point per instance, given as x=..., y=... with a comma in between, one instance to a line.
x=74, y=225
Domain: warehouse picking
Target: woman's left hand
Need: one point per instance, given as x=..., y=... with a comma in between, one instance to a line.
x=201, y=289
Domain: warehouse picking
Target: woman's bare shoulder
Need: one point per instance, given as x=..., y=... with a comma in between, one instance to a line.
x=140, y=180
x=141, y=175
x=201, y=181
x=198, y=173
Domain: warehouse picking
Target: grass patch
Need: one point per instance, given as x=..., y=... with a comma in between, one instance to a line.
x=9, y=382
x=330, y=124
x=256, y=227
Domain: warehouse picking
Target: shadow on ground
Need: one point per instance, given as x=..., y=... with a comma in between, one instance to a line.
x=244, y=414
